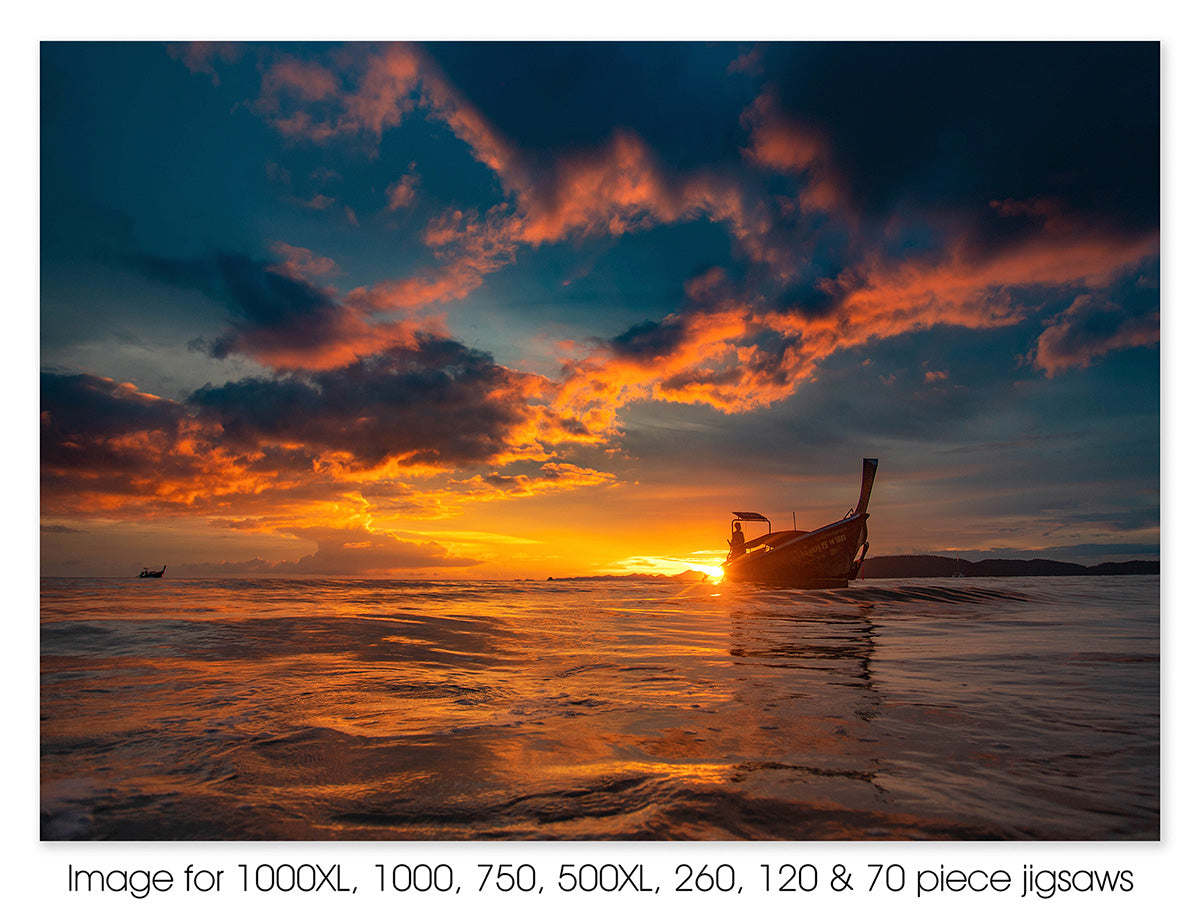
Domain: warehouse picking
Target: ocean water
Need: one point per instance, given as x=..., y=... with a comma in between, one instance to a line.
x=335, y=709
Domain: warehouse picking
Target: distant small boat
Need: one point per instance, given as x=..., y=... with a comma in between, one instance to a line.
x=147, y=573
x=829, y=557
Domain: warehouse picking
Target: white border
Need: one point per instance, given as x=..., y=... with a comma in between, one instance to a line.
x=36, y=871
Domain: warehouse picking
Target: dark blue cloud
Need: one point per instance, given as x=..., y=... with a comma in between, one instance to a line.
x=82, y=407
x=961, y=124
x=254, y=291
x=437, y=402
x=650, y=339
x=554, y=97
x=99, y=437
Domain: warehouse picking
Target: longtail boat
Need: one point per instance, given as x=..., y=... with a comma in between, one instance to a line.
x=827, y=557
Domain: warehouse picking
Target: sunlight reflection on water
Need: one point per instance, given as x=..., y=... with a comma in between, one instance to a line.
x=599, y=709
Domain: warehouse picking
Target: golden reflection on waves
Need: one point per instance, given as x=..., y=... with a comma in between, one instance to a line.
x=593, y=709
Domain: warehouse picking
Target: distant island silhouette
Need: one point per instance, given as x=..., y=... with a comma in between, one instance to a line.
x=937, y=566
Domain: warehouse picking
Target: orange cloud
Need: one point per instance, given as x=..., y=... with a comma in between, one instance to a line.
x=299, y=262
x=604, y=192
x=345, y=337
x=291, y=76
x=385, y=93
x=973, y=290
x=711, y=357
x=1089, y=328
x=408, y=294
x=400, y=194
x=780, y=144
x=550, y=477
x=487, y=145
x=736, y=356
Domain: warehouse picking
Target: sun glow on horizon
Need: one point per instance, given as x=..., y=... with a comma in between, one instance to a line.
x=706, y=564
x=715, y=573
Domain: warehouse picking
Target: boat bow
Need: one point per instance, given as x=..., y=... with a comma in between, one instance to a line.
x=830, y=556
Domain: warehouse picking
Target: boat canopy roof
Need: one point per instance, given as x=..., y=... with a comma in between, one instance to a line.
x=749, y=515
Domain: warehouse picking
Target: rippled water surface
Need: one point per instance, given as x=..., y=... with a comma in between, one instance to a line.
x=351, y=709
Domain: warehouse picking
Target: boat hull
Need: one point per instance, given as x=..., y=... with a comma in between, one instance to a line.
x=822, y=558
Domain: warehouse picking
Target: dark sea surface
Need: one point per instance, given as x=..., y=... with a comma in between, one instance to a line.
x=943, y=709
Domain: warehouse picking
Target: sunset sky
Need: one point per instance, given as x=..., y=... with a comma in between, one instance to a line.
x=540, y=309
